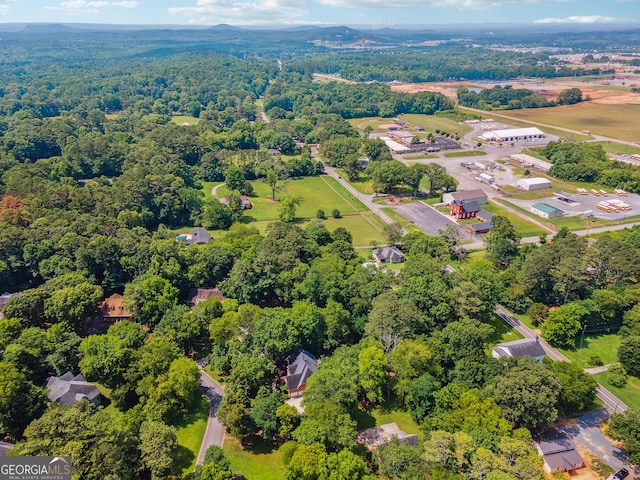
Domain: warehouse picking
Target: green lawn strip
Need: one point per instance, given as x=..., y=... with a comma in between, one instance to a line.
x=465, y=153
x=605, y=345
x=418, y=157
x=503, y=332
x=180, y=119
x=522, y=226
x=396, y=217
x=207, y=187
x=190, y=432
x=363, y=184
x=345, y=195
x=364, y=227
x=257, y=461
x=629, y=394
x=618, y=148
x=431, y=123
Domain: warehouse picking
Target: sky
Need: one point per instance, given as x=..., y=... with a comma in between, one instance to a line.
x=373, y=13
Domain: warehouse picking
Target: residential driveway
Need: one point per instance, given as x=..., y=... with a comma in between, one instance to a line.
x=585, y=431
x=214, y=435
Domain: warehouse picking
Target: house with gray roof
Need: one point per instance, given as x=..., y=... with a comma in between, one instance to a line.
x=388, y=255
x=199, y=236
x=301, y=366
x=558, y=451
x=526, y=347
x=67, y=390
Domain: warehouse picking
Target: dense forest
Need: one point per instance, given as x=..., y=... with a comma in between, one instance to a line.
x=96, y=175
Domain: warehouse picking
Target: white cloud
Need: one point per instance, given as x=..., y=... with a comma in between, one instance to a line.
x=458, y=4
x=85, y=6
x=240, y=12
x=581, y=19
x=4, y=6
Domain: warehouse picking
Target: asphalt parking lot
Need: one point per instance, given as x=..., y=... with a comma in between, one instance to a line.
x=429, y=220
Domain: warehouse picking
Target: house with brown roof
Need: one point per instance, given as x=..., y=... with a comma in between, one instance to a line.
x=197, y=295
x=112, y=309
x=301, y=365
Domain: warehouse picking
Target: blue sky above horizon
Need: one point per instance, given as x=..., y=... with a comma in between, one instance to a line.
x=374, y=13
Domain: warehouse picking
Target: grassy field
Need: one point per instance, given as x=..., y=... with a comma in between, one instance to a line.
x=605, y=345
x=190, y=432
x=255, y=462
x=362, y=184
x=614, y=121
x=524, y=228
x=465, y=153
x=419, y=157
x=618, y=148
x=524, y=121
x=629, y=394
x=180, y=119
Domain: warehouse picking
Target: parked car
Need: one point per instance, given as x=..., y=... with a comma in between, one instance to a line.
x=619, y=475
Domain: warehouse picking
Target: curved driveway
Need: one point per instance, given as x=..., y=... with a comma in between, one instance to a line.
x=214, y=434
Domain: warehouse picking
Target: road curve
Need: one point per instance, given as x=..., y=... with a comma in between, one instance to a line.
x=613, y=403
x=214, y=434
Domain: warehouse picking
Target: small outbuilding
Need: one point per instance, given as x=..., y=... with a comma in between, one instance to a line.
x=526, y=347
x=546, y=211
x=536, y=183
x=388, y=255
x=478, y=228
x=67, y=390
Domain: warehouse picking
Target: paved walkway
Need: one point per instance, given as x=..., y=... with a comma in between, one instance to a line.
x=594, y=370
x=214, y=434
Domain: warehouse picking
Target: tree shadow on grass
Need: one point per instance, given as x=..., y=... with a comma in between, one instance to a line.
x=198, y=412
x=258, y=445
x=364, y=419
x=184, y=458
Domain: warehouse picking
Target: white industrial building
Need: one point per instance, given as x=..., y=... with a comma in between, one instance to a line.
x=512, y=134
x=536, y=183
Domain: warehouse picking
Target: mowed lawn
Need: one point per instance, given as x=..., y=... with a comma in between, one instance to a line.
x=629, y=394
x=430, y=123
x=180, y=119
x=605, y=345
x=315, y=193
x=254, y=463
x=190, y=432
x=524, y=228
x=615, y=121
x=384, y=414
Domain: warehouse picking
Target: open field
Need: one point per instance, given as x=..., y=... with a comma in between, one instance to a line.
x=315, y=193
x=365, y=227
x=629, y=394
x=619, y=148
x=180, y=119
x=605, y=345
x=615, y=121
x=255, y=462
x=190, y=432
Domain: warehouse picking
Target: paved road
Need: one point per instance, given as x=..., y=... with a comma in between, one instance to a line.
x=586, y=433
x=609, y=399
x=214, y=435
